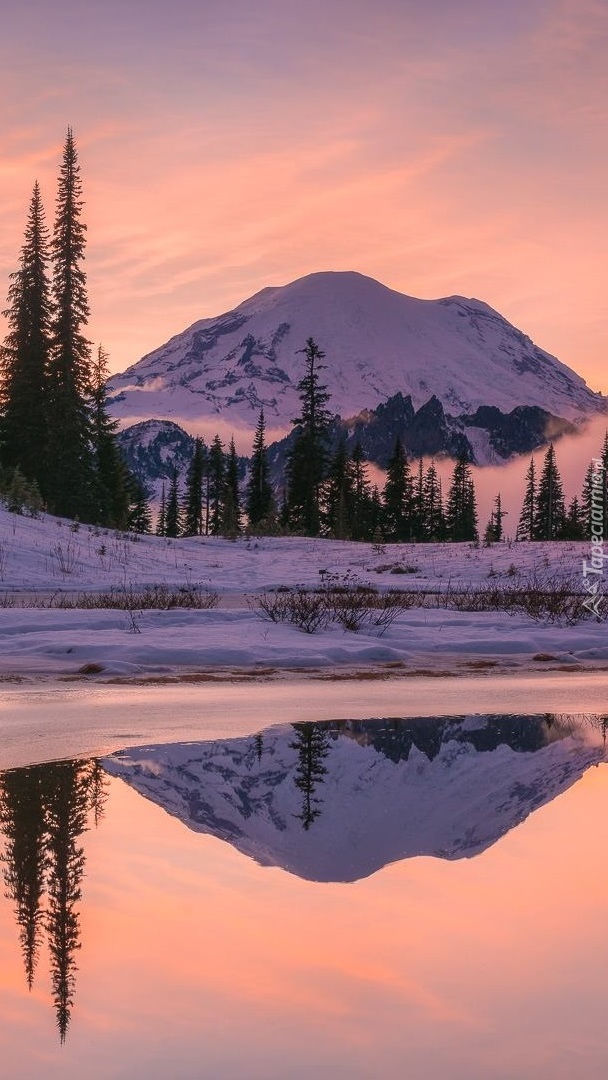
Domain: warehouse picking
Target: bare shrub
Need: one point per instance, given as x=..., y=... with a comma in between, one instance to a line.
x=128, y=598
x=351, y=607
x=306, y=610
x=388, y=606
x=65, y=558
x=542, y=595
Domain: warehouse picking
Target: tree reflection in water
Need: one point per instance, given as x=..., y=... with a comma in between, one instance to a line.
x=44, y=810
x=243, y=791
x=312, y=745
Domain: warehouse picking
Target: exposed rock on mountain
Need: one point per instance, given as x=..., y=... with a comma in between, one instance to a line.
x=378, y=343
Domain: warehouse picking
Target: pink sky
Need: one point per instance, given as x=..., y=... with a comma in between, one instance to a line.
x=440, y=148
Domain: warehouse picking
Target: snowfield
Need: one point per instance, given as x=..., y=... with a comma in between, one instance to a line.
x=377, y=342
x=49, y=561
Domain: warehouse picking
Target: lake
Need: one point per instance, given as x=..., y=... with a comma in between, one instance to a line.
x=345, y=884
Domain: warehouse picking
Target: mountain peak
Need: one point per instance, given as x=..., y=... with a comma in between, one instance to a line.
x=377, y=342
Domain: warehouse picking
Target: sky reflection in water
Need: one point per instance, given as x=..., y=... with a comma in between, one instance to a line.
x=155, y=950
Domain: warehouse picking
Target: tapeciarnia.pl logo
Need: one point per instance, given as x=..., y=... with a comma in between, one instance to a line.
x=593, y=571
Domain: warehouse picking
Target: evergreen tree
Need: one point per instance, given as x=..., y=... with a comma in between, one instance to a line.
x=494, y=529
x=193, y=501
x=23, y=822
x=67, y=805
x=376, y=516
x=527, y=518
x=312, y=746
x=587, y=499
x=595, y=493
x=139, y=518
x=419, y=524
x=161, y=524
x=432, y=517
x=259, y=502
x=24, y=357
x=111, y=474
x=550, y=509
x=339, y=495
x=461, y=509
x=70, y=453
x=172, y=513
x=398, y=496
x=307, y=460
x=43, y=812
x=20, y=496
x=574, y=525
x=217, y=483
x=362, y=510
x=231, y=516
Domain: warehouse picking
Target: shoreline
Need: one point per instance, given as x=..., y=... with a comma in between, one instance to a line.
x=52, y=720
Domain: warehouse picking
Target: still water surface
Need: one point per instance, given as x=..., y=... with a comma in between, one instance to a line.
x=408, y=897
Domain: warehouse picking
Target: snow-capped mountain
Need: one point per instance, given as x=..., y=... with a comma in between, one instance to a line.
x=338, y=801
x=378, y=342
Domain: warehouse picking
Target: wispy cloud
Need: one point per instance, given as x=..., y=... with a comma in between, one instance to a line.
x=441, y=148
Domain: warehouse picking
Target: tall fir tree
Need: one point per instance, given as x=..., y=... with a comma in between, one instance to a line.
x=259, y=498
x=70, y=452
x=24, y=356
x=361, y=517
x=22, y=820
x=312, y=745
x=550, y=515
x=67, y=805
x=173, y=523
x=139, y=518
x=112, y=494
x=419, y=525
x=307, y=460
x=494, y=529
x=376, y=516
x=527, y=518
x=217, y=485
x=398, y=496
x=161, y=524
x=461, y=508
x=432, y=517
x=339, y=495
x=574, y=525
x=587, y=498
x=595, y=493
x=193, y=499
x=231, y=517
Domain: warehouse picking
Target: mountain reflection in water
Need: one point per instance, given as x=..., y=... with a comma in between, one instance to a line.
x=336, y=801
x=331, y=801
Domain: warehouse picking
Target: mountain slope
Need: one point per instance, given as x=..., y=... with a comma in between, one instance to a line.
x=377, y=342
x=337, y=801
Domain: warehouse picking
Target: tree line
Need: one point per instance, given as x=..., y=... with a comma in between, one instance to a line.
x=327, y=492
x=58, y=446
x=44, y=810
x=57, y=440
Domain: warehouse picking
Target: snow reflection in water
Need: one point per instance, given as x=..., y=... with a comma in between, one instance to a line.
x=328, y=802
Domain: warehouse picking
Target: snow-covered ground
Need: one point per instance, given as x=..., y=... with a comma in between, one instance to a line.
x=44, y=560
